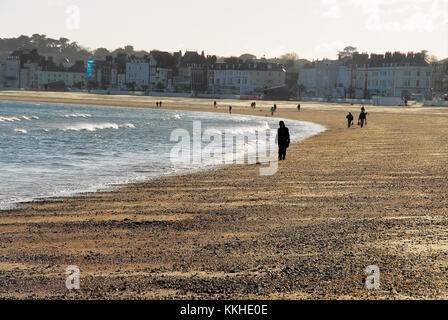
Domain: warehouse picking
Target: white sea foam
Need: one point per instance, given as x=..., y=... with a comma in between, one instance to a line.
x=77, y=115
x=8, y=119
x=95, y=126
x=29, y=118
x=89, y=126
x=20, y=130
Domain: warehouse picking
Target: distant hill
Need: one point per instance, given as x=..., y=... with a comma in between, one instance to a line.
x=60, y=48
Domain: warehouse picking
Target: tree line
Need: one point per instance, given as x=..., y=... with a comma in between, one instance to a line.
x=61, y=48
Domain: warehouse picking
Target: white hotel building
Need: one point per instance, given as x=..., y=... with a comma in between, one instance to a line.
x=391, y=81
x=333, y=78
x=69, y=78
x=245, y=78
x=137, y=71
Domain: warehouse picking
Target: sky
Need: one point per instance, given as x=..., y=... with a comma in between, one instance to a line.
x=314, y=29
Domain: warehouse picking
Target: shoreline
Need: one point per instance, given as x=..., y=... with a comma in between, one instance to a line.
x=18, y=205
x=343, y=200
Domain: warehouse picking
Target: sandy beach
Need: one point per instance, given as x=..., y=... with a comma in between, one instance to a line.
x=343, y=200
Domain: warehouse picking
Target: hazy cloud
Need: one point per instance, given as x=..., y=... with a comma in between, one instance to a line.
x=332, y=8
x=404, y=15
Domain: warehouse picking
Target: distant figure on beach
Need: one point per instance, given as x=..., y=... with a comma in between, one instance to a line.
x=362, y=118
x=272, y=111
x=214, y=104
x=283, y=140
x=157, y=104
x=275, y=107
x=350, y=119
x=298, y=107
x=230, y=109
x=160, y=104
x=255, y=104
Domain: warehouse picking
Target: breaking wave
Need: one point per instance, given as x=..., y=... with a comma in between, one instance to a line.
x=77, y=115
x=95, y=126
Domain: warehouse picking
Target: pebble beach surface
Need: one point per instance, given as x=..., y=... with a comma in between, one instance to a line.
x=343, y=200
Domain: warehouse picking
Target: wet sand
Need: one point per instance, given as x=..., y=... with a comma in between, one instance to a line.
x=343, y=200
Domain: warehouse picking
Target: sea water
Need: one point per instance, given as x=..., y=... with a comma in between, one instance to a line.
x=50, y=150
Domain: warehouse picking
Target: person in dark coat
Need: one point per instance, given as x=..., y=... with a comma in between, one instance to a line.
x=349, y=119
x=298, y=108
x=283, y=140
x=230, y=109
x=362, y=118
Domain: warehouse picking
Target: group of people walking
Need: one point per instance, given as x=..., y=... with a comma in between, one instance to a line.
x=362, y=119
x=159, y=104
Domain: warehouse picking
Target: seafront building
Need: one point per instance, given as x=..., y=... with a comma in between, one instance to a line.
x=440, y=76
x=362, y=76
x=161, y=68
x=245, y=78
x=137, y=73
x=50, y=73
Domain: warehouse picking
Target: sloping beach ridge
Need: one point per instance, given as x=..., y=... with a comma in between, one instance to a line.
x=343, y=200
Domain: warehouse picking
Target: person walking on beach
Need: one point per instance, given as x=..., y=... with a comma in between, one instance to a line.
x=275, y=107
x=160, y=104
x=214, y=104
x=362, y=118
x=157, y=104
x=283, y=140
x=272, y=111
x=230, y=109
x=349, y=119
x=298, y=107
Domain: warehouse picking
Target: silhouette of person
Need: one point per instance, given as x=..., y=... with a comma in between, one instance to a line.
x=214, y=104
x=160, y=104
x=362, y=118
x=283, y=140
x=349, y=119
x=272, y=111
x=230, y=109
x=157, y=104
x=298, y=107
